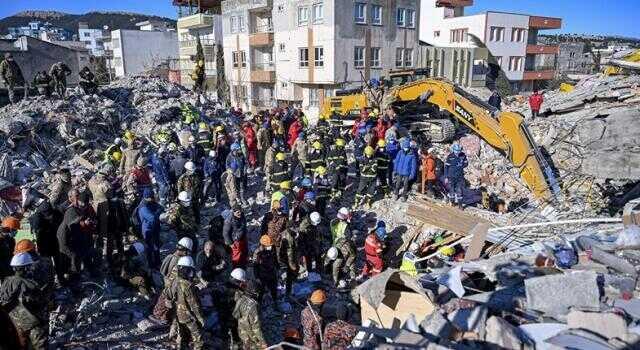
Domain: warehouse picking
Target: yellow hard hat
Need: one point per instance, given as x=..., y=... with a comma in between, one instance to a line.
x=447, y=251
x=381, y=143
x=129, y=135
x=280, y=156
x=369, y=151
x=201, y=63
x=317, y=145
x=340, y=142
x=116, y=156
x=266, y=241
x=219, y=128
x=285, y=185
x=321, y=170
x=202, y=126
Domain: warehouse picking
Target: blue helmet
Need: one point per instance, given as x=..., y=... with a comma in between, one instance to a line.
x=306, y=182
x=301, y=135
x=310, y=196
x=235, y=146
x=374, y=82
x=147, y=193
x=381, y=224
x=456, y=148
x=381, y=232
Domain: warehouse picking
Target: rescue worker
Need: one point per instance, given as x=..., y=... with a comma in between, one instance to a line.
x=75, y=235
x=113, y=153
x=339, y=334
x=190, y=114
x=235, y=237
x=87, y=81
x=10, y=227
x=368, y=174
x=274, y=222
x=212, y=171
x=288, y=257
x=135, y=270
x=429, y=177
x=337, y=167
x=59, y=72
x=211, y=263
x=315, y=158
x=42, y=81
x=188, y=313
x=161, y=174
x=247, y=313
x=323, y=129
x=198, y=76
x=373, y=252
x=454, y=174
x=265, y=264
x=280, y=171
x=100, y=192
x=191, y=183
x=237, y=162
x=312, y=321
x=535, y=102
x=495, y=100
x=21, y=296
x=405, y=167
x=184, y=219
x=263, y=137
x=322, y=188
x=12, y=76
x=305, y=207
x=309, y=242
x=130, y=156
x=194, y=151
x=383, y=161
x=59, y=189
x=43, y=273
x=161, y=310
x=299, y=153
x=44, y=222
x=149, y=213
x=269, y=160
x=204, y=137
x=229, y=183
x=344, y=253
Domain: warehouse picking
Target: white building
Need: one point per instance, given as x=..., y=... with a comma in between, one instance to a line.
x=297, y=52
x=94, y=39
x=511, y=38
x=138, y=51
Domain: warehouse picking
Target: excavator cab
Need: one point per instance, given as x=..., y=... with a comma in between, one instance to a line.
x=403, y=76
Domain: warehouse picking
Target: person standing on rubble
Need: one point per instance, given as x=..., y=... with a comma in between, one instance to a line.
x=454, y=174
x=235, y=237
x=246, y=312
x=130, y=156
x=405, y=168
x=312, y=321
x=212, y=263
x=87, y=81
x=339, y=334
x=59, y=189
x=43, y=272
x=42, y=82
x=10, y=227
x=149, y=215
x=212, y=171
x=535, y=102
x=337, y=168
x=135, y=270
x=428, y=168
x=315, y=158
x=263, y=137
x=100, y=190
x=288, y=257
x=368, y=173
x=383, y=160
x=183, y=218
x=265, y=264
x=495, y=100
x=322, y=188
x=310, y=244
x=44, y=222
x=11, y=76
x=280, y=171
x=269, y=161
x=237, y=162
x=22, y=297
x=204, y=137
x=59, y=72
x=191, y=183
x=161, y=311
x=299, y=154
x=373, y=252
x=184, y=295
x=343, y=251
x=274, y=222
x=161, y=174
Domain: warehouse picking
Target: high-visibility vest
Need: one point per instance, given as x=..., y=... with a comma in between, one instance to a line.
x=338, y=228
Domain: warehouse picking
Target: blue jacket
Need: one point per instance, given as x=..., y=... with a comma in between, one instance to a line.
x=392, y=149
x=454, y=165
x=211, y=167
x=236, y=163
x=160, y=167
x=149, y=215
x=406, y=164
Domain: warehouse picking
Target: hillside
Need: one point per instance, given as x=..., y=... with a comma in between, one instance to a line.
x=115, y=20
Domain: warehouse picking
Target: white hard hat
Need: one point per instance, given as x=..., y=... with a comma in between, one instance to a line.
x=342, y=284
x=162, y=149
x=186, y=261
x=22, y=259
x=212, y=154
x=139, y=247
x=315, y=218
x=184, y=196
x=431, y=150
x=190, y=166
x=239, y=274
x=186, y=242
x=117, y=141
x=343, y=213
x=192, y=139
x=332, y=253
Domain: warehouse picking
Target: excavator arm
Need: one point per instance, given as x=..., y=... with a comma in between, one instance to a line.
x=505, y=131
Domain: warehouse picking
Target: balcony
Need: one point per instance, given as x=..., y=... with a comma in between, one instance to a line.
x=263, y=72
x=539, y=73
x=542, y=49
x=262, y=35
x=196, y=21
x=537, y=22
x=454, y=3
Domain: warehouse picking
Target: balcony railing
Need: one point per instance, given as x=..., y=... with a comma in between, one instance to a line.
x=263, y=102
x=194, y=43
x=263, y=28
x=264, y=66
x=539, y=68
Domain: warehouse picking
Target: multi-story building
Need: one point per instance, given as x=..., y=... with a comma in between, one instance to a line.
x=297, y=52
x=37, y=29
x=512, y=39
x=94, y=39
x=201, y=20
x=138, y=51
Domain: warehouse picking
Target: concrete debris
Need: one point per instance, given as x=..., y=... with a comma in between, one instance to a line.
x=502, y=333
x=608, y=325
x=555, y=294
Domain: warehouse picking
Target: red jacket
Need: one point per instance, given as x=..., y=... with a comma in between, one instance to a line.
x=250, y=138
x=381, y=128
x=141, y=176
x=535, y=101
x=294, y=131
x=429, y=167
x=372, y=245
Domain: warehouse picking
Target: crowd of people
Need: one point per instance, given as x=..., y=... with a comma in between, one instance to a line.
x=111, y=224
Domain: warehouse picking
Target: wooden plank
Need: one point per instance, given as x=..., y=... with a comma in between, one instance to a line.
x=444, y=216
x=479, y=233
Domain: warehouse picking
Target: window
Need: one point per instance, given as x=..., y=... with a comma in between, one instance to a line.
x=401, y=17
x=318, y=13
x=233, y=21
x=314, y=100
x=240, y=92
x=117, y=61
x=459, y=35
x=375, y=57
x=376, y=15
x=241, y=24
x=359, y=13
x=358, y=57
x=282, y=47
x=408, y=57
x=436, y=34
x=399, y=57
x=411, y=18
x=515, y=63
x=304, y=57
x=239, y=59
x=86, y=34
x=518, y=35
x=319, y=57
x=496, y=34
x=303, y=16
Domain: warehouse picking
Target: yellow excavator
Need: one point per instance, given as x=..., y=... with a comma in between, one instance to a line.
x=435, y=106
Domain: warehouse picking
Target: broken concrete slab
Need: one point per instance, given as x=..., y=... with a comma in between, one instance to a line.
x=631, y=307
x=606, y=324
x=479, y=233
x=503, y=334
x=437, y=325
x=555, y=294
x=470, y=320
x=579, y=339
x=539, y=332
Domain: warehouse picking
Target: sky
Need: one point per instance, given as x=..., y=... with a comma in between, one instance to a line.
x=614, y=17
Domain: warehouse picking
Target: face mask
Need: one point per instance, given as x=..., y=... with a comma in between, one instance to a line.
x=185, y=204
x=268, y=248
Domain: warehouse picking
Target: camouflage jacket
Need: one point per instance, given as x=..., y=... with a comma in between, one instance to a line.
x=22, y=298
x=190, y=183
x=311, y=327
x=288, y=250
x=338, y=335
x=184, y=220
x=248, y=316
x=184, y=295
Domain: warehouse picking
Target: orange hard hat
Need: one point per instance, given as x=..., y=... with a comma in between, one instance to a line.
x=11, y=223
x=291, y=333
x=318, y=297
x=23, y=246
x=266, y=241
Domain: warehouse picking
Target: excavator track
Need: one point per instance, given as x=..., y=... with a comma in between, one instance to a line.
x=426, y=129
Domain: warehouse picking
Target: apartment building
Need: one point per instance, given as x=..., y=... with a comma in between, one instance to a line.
x=512, y=39
x=286, y=52
x=94, y=39
x=199, y=20
x=138, y=51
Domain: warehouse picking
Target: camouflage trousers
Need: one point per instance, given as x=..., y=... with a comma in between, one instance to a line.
x=189, y=330
x=141, y=284
x=249, y=339
x=32, y=333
